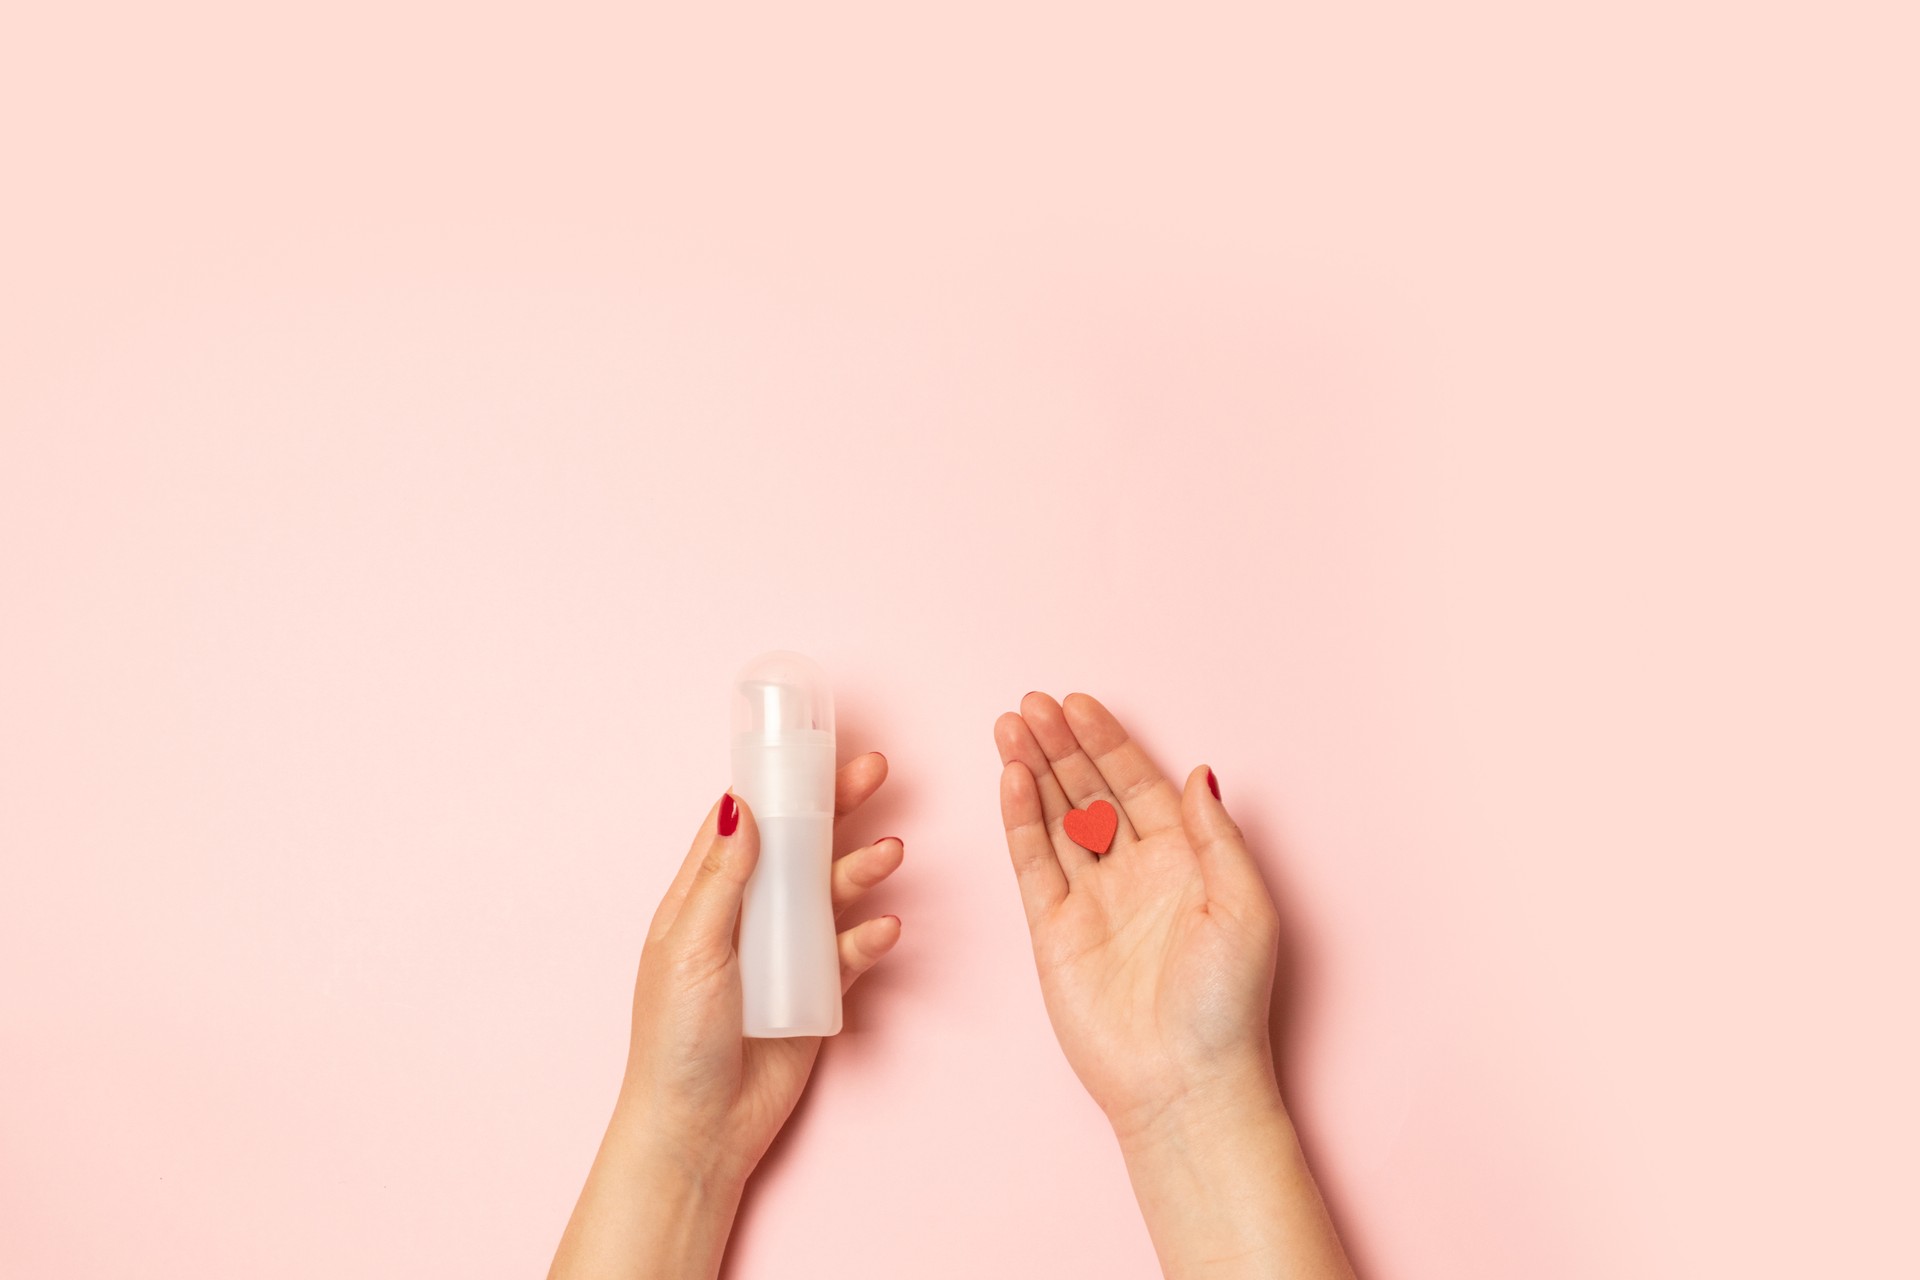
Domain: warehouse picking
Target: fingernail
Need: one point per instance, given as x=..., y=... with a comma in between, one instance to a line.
x=1213, y=783
x=896, y=839
x=729, y=814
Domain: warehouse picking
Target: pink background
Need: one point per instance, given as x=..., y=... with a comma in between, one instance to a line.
x=1485, y=433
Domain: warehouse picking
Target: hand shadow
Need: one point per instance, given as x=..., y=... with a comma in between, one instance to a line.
x=1292, y=995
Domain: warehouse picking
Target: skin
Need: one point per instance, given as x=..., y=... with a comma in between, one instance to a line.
x=1156, y=963
x=700, y=1103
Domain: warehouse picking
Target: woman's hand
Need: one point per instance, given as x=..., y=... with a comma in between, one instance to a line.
x=701, y=1103
x=1156, y=960
x=1156, y=963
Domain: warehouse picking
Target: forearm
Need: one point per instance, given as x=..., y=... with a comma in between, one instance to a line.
x=1226, y=1191
x=647, y=1213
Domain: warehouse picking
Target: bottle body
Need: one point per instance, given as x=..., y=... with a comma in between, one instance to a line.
x=783, y=767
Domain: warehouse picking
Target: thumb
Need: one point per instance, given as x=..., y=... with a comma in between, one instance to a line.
x=706, y=919
x=1232, y=876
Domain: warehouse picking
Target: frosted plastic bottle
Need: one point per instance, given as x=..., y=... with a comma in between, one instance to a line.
x=783, y=769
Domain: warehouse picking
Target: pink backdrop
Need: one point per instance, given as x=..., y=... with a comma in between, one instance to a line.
x=1485, y=433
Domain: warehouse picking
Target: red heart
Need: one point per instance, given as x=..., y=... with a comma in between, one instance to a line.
x=1093, y=827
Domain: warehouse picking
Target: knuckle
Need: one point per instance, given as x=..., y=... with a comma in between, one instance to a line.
x=691, y=967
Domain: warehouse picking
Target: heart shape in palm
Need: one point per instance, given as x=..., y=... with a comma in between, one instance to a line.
x=1092, y=827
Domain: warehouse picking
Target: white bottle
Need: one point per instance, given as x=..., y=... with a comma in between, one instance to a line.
x=783, y=769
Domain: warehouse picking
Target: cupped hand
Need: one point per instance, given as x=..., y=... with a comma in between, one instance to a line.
x=1156, y=960
x=699, y=1091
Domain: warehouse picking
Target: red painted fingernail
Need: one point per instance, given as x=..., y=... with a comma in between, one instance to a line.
x=1213, y=783
x=729, y=814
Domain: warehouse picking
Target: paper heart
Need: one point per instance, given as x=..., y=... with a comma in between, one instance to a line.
x=1093, y=827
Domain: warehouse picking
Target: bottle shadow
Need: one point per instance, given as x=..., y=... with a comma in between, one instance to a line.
x=873, y=820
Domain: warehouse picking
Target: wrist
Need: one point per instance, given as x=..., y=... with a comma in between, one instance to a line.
x=1220, y=1180
x=650, y=1208
x=676, y=1156
x=1202, y=1110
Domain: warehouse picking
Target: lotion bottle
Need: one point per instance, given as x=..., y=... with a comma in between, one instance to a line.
x=783, y=753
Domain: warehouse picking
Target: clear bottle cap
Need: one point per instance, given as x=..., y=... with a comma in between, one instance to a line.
x=782, y=693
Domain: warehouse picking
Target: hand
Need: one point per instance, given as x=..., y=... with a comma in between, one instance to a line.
x=708, y=1093
x=700, y=1102
x=1156, y=961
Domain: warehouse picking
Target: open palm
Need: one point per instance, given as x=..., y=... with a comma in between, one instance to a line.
x=1155, y=960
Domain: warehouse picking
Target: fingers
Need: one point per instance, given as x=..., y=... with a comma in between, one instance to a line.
x=853, y=785
x=861, y=869
x=862, y=946
x=706, y=918
x=1145, y=794
x=1017, y=744
x=1078, y=774
x=1232, y=877
x=1043, y=883
x=858, y=779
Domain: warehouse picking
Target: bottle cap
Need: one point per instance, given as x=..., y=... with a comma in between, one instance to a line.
x=782, y=693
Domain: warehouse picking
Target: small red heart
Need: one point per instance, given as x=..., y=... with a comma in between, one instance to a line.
x=1093, y=827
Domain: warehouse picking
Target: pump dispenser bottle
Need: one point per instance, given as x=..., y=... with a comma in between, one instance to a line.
x=783, y=768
